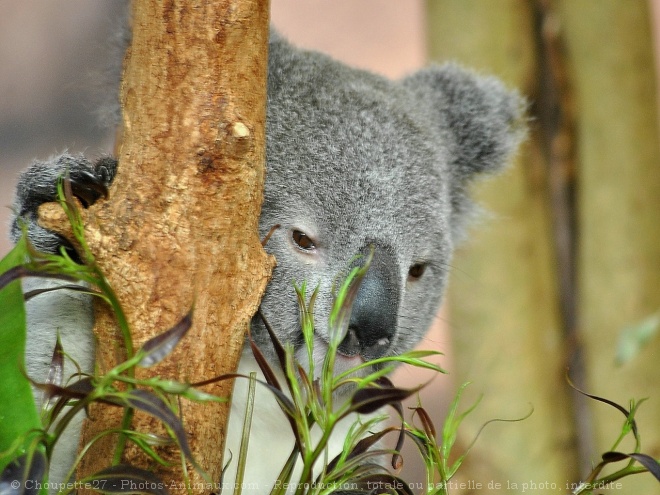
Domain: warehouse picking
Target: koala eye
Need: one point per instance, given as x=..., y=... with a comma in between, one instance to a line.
x=303, y=241
x=416, y=271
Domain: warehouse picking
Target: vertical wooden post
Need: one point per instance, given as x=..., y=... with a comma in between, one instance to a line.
x=181, y=222
x=610, y=46
x=504, y=311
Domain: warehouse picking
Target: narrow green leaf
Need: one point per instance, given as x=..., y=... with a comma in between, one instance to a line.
x=279, y=487
x=452, y=421
x=616, y=406
x=264, y=365
x=55, y=371
x=245, y=436
x=279, y=350
x=160, y=346
x=645, y=460
x=368, y=400
x=76, y=288
x=18, y=412
x=150, y=403
x=360, y=448
x=411, y=359
x=343, y=304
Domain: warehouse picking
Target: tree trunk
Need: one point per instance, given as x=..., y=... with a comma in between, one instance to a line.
x=610, y=49
x=181, y=225
x=504, y=311
x=529, y=301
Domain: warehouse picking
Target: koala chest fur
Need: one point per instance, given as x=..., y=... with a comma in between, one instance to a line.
x=355, y=164
x=271, y=440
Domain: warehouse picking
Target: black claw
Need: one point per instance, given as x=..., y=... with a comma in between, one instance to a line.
x=106, y=168
x=88, y=188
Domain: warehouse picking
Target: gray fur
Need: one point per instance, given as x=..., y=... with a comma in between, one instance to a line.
x=356, y=161
x=38, y=185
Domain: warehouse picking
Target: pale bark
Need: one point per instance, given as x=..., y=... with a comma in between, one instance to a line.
x=504, y=310
x=610, y=47
x=180, y=227
x=509, y=303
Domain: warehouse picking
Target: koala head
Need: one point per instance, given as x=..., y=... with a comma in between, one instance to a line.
x=357, y=162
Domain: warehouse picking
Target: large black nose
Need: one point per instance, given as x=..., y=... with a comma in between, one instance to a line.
x=373, y=320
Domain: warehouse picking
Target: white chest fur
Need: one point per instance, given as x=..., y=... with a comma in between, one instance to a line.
x=271, y=438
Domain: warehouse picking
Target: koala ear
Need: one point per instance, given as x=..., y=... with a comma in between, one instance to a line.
x=483, y=119
x=275, y=36
x=282, y=58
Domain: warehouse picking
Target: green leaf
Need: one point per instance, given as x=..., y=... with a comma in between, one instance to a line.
x=453, y=421
x=630, y=418
x=343, y=304
x=154, y=405
x=18, y=412
x=647, y=461
x=154, y=350
x=369, y=400
x=245, y=435
x=633, y=338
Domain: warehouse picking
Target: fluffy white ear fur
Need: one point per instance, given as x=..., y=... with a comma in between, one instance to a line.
x=70, y=314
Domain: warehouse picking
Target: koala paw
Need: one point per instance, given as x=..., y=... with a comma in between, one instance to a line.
x=38, y=185
x=90, y=185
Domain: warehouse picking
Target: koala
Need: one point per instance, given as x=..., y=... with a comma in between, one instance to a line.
x=355, y=163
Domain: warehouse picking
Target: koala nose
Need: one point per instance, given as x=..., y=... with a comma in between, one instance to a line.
x=373, y=320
